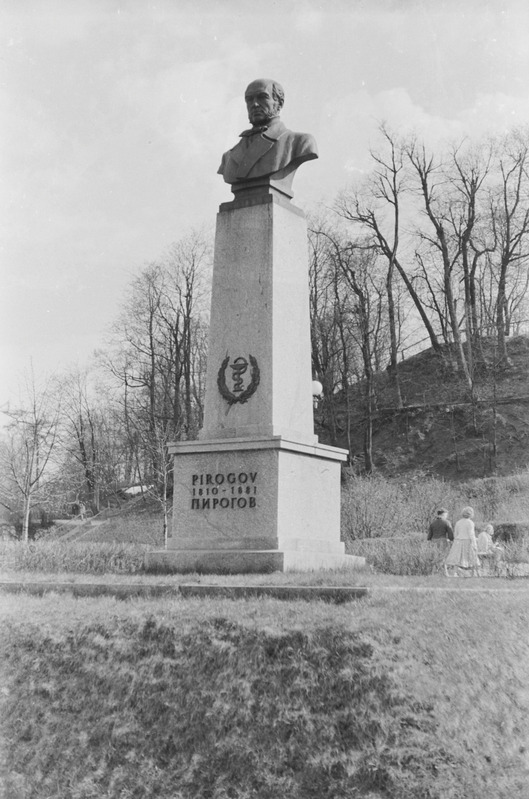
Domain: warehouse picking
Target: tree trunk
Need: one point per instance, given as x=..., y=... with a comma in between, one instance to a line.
x=393, y=361
x=368, y=429
x=26, y=518
x=503, y=356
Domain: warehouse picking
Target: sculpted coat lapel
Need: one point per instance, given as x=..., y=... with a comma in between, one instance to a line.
x=249, y=151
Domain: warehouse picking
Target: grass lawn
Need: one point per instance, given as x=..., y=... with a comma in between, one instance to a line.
x=402, y=695
x=345, y=577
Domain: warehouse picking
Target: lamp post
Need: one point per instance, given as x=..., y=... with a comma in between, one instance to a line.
x=317, y=391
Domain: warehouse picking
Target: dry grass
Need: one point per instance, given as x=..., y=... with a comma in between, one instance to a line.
x=412, y=556
x=396, y=556
x=146, y=528
x=70, y=556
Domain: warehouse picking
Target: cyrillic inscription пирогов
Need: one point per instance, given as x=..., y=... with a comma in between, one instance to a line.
x=226, y=491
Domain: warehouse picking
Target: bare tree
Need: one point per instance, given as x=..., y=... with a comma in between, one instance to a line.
x=157, y=358
x=329, y=349
x=187, y=264
x=510, y=215
x=376, y=207
x=80, y=435
x=26, y=452
x=437, y=197
x=360, y=300
x=468, y=173
x=95, y=451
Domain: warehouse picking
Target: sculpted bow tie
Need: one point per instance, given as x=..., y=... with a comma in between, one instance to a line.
x=255, y=131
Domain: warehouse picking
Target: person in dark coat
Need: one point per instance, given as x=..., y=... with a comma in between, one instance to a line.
x=441, y=529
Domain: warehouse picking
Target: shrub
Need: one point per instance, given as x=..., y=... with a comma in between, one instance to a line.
x=499, y=497
x=376, y=506
x=516, y=552
x=510, y=531
x=368, y=507
x=400, y=556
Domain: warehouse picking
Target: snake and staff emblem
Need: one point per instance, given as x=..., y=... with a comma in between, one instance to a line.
x=239, y=367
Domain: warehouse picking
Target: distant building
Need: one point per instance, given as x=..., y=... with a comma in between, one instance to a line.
x=135, y=490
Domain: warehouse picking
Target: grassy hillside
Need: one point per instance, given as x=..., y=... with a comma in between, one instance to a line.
x=442, y=430
x=138, y=521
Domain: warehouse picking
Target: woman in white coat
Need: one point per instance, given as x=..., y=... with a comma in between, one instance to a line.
x=464, y=550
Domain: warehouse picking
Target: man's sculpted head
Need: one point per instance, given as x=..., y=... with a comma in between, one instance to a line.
x=264, y=100
x=269, y=149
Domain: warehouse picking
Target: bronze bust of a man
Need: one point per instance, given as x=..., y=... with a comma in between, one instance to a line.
x=268, y=149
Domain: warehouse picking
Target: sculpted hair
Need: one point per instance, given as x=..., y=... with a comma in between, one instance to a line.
x=278, y=93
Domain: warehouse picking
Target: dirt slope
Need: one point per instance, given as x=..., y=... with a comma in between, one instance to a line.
x=443, y=428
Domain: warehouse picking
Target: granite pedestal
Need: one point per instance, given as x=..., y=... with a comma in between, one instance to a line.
x=257, y=492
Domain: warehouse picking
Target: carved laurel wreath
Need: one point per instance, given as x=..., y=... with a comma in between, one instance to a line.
x=245, y=395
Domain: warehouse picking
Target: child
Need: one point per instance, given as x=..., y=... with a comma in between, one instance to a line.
x=487, y=549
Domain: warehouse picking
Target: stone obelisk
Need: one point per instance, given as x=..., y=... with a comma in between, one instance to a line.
x=257, y=492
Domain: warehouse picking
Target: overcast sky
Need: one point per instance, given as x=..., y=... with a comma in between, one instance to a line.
x=115, y=115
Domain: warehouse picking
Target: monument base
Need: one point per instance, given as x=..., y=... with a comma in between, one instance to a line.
x=252, y=505
x=247, y=561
